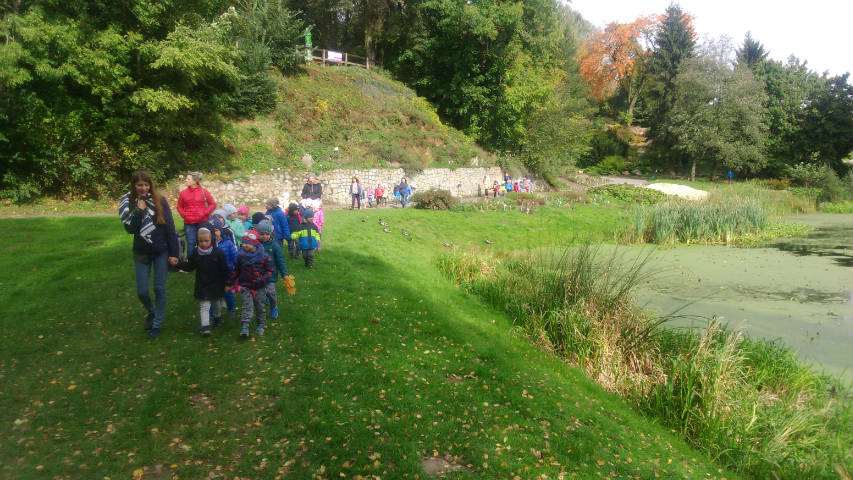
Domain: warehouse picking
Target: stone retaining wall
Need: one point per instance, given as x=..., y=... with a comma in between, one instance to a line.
x=461, y=182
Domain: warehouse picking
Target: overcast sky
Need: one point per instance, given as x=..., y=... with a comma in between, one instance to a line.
x=818, y=31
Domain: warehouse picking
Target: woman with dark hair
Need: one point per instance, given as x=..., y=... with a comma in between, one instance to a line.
x=195, y=204
x=146, y=215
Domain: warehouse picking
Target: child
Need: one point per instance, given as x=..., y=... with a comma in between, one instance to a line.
x=217, y=219
x=230, y=250
x=273, y=251
x=308, y=237
x=281, y=230
x=252, y=271
x=211, y=273
x=234, y=223
x=380, y=194
x=243, y=216
x=294, y=219
x=370, y=194
x=319, y=221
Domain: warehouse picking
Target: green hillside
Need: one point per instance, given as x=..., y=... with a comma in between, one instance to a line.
x=377, y=364
x=374, y=121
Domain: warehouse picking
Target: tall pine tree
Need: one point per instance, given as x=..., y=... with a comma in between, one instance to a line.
x=673, y=43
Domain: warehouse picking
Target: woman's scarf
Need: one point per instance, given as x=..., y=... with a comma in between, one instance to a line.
x=147, y=227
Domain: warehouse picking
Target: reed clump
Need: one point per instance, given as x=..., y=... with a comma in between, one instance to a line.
x=751, y=404
x=684, y=221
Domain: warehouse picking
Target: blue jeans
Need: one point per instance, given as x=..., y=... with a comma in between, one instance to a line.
x=191, y=231
x=404, y=199
x=143, y=272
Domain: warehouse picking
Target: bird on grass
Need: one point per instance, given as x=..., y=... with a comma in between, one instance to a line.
x=386, y=230
x=383, y=223
x=446, y=244
x=489, y=241
x=405, y=232
x=363, y=219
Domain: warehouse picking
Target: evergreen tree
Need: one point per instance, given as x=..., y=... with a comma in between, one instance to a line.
x=751, y=53
x=673, y=43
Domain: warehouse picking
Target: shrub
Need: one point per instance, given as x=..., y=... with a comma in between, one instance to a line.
x=519, y=197
x=603, y=144
x=611, y=164
x=627, y=193
x=434, y=199
x=777, y=184
x=822, y=177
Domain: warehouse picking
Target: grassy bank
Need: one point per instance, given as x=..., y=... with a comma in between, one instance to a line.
x=378, y=363
x=749, y=404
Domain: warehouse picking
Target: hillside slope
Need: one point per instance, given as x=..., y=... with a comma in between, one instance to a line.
x=373, y=121
x=378, y=363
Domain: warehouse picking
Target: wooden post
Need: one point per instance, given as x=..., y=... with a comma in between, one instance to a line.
x=367, y=63
x=346, y=60
x=323, y=52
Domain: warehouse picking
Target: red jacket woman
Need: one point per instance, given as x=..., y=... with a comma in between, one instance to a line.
x=195, y=204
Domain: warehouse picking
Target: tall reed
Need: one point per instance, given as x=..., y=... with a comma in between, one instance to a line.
x=711, y=221
x=748, y=403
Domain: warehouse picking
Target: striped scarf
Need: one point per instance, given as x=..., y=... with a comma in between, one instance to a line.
x=125, y=209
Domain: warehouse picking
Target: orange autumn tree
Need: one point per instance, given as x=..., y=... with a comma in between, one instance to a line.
x=613, y=58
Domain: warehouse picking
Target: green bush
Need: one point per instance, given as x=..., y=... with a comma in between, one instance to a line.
x=822, y=177
x=603, y=144
x=611, y=164
x=434, y=199
x=627, y=193
x=777, y=184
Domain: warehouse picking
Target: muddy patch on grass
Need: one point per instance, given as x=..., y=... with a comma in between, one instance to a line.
x=439, y=466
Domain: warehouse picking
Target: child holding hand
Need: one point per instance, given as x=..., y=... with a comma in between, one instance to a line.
x=252, y=272
x=211, y=273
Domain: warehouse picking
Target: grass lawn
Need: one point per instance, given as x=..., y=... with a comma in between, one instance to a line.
x=377, y=363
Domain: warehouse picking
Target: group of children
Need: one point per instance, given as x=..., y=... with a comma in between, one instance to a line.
x=509, y=185
x=238, y=253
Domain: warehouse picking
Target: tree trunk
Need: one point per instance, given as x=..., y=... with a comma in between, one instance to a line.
x=693, y=170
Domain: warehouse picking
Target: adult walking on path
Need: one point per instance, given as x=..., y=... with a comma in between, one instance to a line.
x=312, y=191
x=146, y=215
x=195, y=204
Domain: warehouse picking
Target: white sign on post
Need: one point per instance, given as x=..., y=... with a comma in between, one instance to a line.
x=334, y=56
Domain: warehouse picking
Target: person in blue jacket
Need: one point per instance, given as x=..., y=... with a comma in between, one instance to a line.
x=279, y=268
x=405, y=192
x=281, y=230
x=224, y=243
x=146, y=215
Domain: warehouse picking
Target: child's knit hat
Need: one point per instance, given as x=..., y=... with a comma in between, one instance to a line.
x=251, y=236
x=244, y=210
x=264, y=226
x=257, y=217
x=308, y=213
x=229, y=209
x=219, y=213
x=272, y=202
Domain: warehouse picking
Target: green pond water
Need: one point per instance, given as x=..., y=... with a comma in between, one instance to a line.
x=797, y=290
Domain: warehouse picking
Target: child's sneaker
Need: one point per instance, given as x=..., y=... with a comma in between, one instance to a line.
x=153, y=333
x=260, y=329
x=274, y=313
x=244, y=332
x=205, y=331
x=216, y=322
x=149, y=322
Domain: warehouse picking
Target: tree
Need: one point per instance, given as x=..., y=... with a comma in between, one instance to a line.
x=717, y=118
x=751, y=53
x=826, y=128
x=614, y=59
x=673, y=44
x=789, y=87
x=480, y=66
